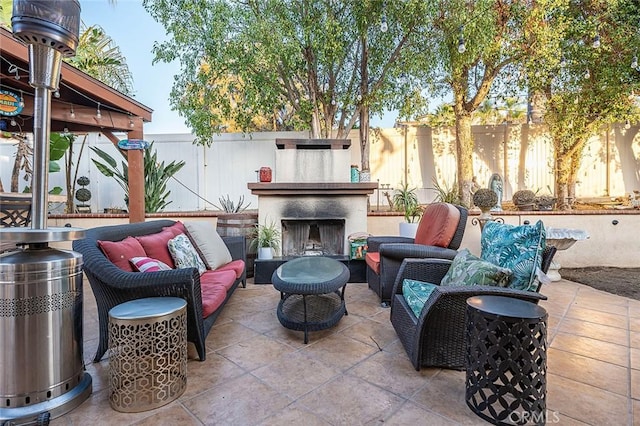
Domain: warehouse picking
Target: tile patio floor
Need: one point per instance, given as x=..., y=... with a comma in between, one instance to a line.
x=357, y=373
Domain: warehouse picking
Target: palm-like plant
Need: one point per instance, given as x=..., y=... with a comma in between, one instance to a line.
x=98, y=56
x=156, y=175
x=405, y=200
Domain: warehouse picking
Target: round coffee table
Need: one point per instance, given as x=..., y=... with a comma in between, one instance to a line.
x=311, y=293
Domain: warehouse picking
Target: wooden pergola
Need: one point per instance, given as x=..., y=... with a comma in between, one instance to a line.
x=75, y=110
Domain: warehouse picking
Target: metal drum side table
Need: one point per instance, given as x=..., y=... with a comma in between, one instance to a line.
x=506, y=360
x=148, y=353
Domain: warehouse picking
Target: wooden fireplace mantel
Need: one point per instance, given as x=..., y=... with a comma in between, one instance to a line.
x=312, y=188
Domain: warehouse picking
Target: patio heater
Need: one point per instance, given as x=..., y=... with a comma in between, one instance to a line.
x=41, y=367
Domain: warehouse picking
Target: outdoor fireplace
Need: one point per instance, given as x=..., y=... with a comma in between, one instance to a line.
x=315, y=237
x=312, y=198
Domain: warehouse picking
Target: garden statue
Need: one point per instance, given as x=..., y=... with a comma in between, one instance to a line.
x=495, y=184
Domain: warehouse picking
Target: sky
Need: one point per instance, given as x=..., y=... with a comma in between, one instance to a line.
x=134, y=31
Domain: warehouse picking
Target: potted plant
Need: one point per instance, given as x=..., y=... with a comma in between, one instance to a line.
x=546, y=201
x=524, y=199
x=405, y=200
x=485, y=199
x=266, y=240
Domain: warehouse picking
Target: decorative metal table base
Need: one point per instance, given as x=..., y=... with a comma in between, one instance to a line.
x=148, y=353
x=311, y=312
x=506, y=360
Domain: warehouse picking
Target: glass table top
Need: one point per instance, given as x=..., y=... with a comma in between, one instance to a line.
x=309, y=269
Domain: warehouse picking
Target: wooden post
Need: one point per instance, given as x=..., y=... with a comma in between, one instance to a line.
x=136, y=179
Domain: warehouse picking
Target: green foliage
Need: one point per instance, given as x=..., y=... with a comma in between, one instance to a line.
x=266, y=235
x=405, y=199
x=156, y=175
x=98, y=56
x=446, y=194
x=229, y=206
x=305, y=65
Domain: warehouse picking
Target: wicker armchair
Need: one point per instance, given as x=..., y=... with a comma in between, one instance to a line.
x=112, y=286
x=15, y=210
x=436, y=338
x=386, y=253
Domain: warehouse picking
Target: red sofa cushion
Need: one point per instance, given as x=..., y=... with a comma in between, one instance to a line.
x=119, y=252
x=156, y=245
x=237, y=266
x=214, y=286
x=373, y=261
x=438, y=225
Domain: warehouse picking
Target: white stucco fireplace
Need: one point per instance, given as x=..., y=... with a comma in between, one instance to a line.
x=311, y=198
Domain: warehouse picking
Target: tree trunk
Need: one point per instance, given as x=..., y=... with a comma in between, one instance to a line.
x=364, y=137
x=563, y=167
x=364, y=109
x=464, y=152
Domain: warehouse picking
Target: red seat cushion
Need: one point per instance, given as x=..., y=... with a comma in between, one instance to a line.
x=156, y=245
x=438, y=225
x=237, y=266
x=214, y=286
x=373, y=261
x=119, y=252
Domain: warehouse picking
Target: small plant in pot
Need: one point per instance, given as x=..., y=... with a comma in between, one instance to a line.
x=524, y=199
x=485, y=199
x=406, y=201
x=267, y=240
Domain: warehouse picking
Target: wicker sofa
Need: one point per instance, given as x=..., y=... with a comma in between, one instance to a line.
x=112, y=285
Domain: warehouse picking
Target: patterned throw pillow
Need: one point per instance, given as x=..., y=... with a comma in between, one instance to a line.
x=467, y=269
x=518, y=248
x=416, y=294
x=148, y=264
x=184, y=255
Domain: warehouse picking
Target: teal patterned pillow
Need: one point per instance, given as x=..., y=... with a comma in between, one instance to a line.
x=518, y=248
x=184, y=254
x=467, y=269
x=416, y=294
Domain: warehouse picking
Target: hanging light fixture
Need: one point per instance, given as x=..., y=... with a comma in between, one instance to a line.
x=98, y=113
x=461, y=46
x=131, y=122
x=73, y=114
x=384, y=27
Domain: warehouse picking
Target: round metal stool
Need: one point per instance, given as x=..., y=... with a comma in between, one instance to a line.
x=148, y=353
x=506, y=360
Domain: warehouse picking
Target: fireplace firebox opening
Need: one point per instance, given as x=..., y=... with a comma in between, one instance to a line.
x=313, y=237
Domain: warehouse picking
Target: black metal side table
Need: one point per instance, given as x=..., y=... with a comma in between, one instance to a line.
x=506, y=360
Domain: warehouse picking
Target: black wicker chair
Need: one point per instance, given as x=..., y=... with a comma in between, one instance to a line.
x=15, y=210
x=112, y=286
x=394, y=249
x=436, y=338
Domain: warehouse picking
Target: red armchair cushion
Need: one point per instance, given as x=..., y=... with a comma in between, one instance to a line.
x=438, y=225
x=373, y=261
x=119, y=252
x=214, y=286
